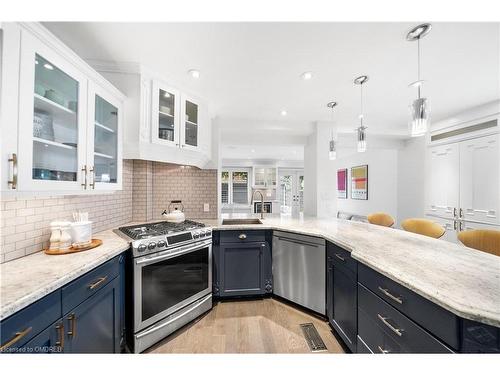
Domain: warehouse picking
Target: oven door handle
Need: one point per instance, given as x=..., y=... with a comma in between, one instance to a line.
x=170, y=321
x=181, y=251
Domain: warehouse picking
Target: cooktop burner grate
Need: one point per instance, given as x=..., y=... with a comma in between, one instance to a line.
x=137, y=232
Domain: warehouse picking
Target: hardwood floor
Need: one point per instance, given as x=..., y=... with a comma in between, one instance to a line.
x=249, y=326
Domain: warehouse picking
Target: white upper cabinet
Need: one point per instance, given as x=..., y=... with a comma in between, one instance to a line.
x=66, y=122
x=264, y=177
x=104, y=141
x=163, y=122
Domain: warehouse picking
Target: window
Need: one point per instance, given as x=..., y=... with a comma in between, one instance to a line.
x=234, y=187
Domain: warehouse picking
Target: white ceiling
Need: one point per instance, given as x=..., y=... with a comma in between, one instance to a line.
x=251, y=71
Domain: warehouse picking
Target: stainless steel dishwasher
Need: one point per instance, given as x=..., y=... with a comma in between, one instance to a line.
x=299, y=269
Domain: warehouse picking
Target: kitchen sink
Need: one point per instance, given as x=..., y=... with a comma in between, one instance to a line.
x=240, y=221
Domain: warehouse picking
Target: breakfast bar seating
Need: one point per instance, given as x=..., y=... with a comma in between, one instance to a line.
x=482, y=239
x=381, y=218
x=424, y=227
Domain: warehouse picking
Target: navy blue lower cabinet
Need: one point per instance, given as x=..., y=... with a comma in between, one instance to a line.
x=50, y=340
x=94, y=326
x=479, y=338
x=341, y=298
x=242, y=264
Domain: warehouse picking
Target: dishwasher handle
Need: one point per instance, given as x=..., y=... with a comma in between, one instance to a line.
x=298, y=242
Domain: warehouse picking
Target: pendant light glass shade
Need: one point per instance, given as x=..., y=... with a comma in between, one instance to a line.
x=419, y=117
x=419, y=121
x=361, y=139
x=332, y=154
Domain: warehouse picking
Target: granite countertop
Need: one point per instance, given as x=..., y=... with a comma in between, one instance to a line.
x=25, y=280
x=461, y=280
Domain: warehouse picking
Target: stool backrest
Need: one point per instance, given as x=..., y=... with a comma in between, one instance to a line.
x=423, y=226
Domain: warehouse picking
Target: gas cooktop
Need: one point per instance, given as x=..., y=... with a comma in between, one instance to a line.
x=143, y=231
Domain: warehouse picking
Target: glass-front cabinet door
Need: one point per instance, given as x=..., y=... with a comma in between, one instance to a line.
x=52, y=131
x=165, y=118
x=190, y=123
x=104, y=140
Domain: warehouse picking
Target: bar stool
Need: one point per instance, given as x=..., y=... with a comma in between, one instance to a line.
x=381, y=218
x=482, y=239
x=423, y=226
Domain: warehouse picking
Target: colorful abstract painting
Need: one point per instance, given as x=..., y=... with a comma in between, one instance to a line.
x=359, y=182
x=342, y=183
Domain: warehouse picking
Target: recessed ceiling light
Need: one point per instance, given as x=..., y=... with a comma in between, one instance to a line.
x=48, y=66
x=194, y=73
x=284, y=113
x=306, y=76
x=253, y=150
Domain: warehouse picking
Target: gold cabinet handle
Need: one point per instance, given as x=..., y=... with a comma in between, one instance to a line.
x=461, y=213
x=13, y=181
x=60, y=331
x=84, y=170
x=397, y=331
x=383, y=351
x=18, y=336
x=391, y=296
x=72, y=319
x=92, y=184
x=98, y=282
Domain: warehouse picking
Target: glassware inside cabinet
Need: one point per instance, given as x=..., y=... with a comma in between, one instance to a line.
x=191, y=132
x=166, y=116
x=55, y=123
x=105, y=141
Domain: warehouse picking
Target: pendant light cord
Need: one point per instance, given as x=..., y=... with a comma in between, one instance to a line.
x=418, y=66
x=361, y=92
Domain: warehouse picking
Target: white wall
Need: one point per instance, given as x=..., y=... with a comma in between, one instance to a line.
x=310, y=176
x=382, y=182
x=411, y=179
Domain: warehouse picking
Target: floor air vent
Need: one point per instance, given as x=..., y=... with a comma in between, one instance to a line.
x=313, y=338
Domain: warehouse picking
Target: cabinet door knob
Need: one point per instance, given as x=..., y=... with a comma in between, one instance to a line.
x=242, y=236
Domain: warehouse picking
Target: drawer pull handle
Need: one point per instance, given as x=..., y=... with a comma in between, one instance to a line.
x=397, y=331
x=18, y=336
x=72, y=319
x=98, y=282
x=383, y=351
x=60, y=330
x=242, y=236
x=391, y=296
x=340, y=257
x=12, y=182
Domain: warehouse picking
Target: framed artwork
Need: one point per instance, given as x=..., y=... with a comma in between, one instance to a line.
x=359, y=182
x=342, y=183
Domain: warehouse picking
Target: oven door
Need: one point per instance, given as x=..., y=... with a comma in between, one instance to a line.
x=169, y=280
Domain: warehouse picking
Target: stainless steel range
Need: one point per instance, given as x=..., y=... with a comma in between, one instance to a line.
x=172, y=277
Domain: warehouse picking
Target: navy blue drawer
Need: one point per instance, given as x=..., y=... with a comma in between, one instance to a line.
x=407, y=336
x=442, y=323
x=85, y=286
x=341, y=258
x=232, y=236
x=30, y=321
x=372, y=337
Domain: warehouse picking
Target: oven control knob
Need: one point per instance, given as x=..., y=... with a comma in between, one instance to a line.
x=209, y=232
x=161, y=243
x=196, y=234
x=142, y=247
x=202, y=233
x=151, y=245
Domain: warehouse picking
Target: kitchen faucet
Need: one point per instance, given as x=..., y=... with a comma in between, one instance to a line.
x=261, y=204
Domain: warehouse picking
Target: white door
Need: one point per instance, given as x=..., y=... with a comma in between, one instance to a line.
x=291, y=191
x=52, y=120
x=104, y=144
x=479, y=180
x=443, y=181
x=166, y=115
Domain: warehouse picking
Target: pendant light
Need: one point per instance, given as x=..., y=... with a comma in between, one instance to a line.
x=419, y=109
x=361, y=130
x=332, y=154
